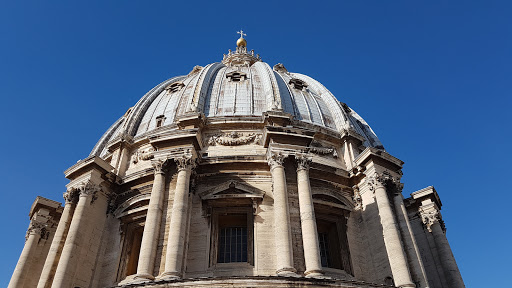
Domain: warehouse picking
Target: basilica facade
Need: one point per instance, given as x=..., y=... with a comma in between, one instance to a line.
x=238, y=175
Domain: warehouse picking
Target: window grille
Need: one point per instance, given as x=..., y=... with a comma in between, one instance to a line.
x=232, y=245
x=323, y=240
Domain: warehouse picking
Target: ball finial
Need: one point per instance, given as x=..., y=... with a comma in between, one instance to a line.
x=241, y=41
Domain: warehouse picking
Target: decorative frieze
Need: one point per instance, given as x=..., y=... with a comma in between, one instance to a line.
x=234, y=139
x=143, y=155
x=319, y=149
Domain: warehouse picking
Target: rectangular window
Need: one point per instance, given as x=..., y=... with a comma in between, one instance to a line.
x=232, y=240
x=232, y=235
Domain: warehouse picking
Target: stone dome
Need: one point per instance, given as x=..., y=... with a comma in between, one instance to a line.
x=240, y=86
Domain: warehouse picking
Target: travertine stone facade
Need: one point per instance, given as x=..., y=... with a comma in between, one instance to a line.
x=238, y=175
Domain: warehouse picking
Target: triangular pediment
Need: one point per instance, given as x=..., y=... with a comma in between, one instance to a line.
x=232, y=189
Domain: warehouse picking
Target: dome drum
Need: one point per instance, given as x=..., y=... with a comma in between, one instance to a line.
x=234, y=175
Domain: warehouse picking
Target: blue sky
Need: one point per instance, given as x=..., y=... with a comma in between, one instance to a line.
x=432, y=78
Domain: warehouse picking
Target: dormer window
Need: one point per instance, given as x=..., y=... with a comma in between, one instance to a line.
x=160, y=120
x=298, y=84
x=174, y=87
x=236, y=76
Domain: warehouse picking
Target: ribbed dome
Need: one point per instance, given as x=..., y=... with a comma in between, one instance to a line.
x=240, y=85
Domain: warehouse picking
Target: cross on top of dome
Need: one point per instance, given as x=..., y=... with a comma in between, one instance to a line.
x=240, y=57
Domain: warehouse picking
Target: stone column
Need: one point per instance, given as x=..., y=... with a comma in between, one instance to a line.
x=396, y=254
x=50, y=265
x=22, y=270
x=77, y=235
x=417, y=267
x=308, y=220
x=432, y=221
x=283, y=234
x=177, y=227
x=151, y=232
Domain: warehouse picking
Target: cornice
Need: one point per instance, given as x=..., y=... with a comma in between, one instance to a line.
x=91, y=162
x=375, y=153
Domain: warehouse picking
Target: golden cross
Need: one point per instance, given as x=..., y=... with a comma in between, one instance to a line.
x=242, y=34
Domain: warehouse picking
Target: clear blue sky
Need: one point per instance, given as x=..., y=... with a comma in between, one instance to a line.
x=432, y=78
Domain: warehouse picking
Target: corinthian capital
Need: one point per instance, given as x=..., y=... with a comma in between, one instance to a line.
x=303, y=162
x=185, y=162
x=429, y=218
x=276, y=159
x=71, y=196
x=37, y=228
x=385, y=179
x=158, y=165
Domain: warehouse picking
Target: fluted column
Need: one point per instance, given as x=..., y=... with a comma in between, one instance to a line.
x=396, y=254
x=22, y=270
x=283, y=234
x=69, y=259
x=50, y=265
x=177, y=227
x=151, y=232
x=308, y=220
x=432, y=221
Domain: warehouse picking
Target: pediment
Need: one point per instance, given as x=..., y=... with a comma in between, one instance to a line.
x=232, y=189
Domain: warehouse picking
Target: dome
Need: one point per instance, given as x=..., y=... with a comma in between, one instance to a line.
x=240, y=86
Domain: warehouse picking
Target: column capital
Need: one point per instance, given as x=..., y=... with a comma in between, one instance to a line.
x=303, y=162
x=158, y=166
x=386, y=180
x=430, y=216
x=185, y=162
x=38, y=228
x=71, y=196
x=276, y=159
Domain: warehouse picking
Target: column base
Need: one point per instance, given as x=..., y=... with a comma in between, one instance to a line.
x=408, y=285
x=317, y=273
x=287, y=272
x=170, y=275
x=137, y=278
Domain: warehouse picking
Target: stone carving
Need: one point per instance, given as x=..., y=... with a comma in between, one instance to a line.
x=276, y=159
x=234, y=139
x=71, y=196
x=87, y=189
x=386, y=180
x=38, y=228
x=143, y=155
x=158, y=166
x=196, y=69
x=429, y=218
x=185, y=162
x=279, y=67
x=303, y=162
x=358, y=200
x=319, y=149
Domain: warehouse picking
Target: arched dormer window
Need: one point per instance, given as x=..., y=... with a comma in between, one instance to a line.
x=175, y=87
x=298, y=84
x=236, y=76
